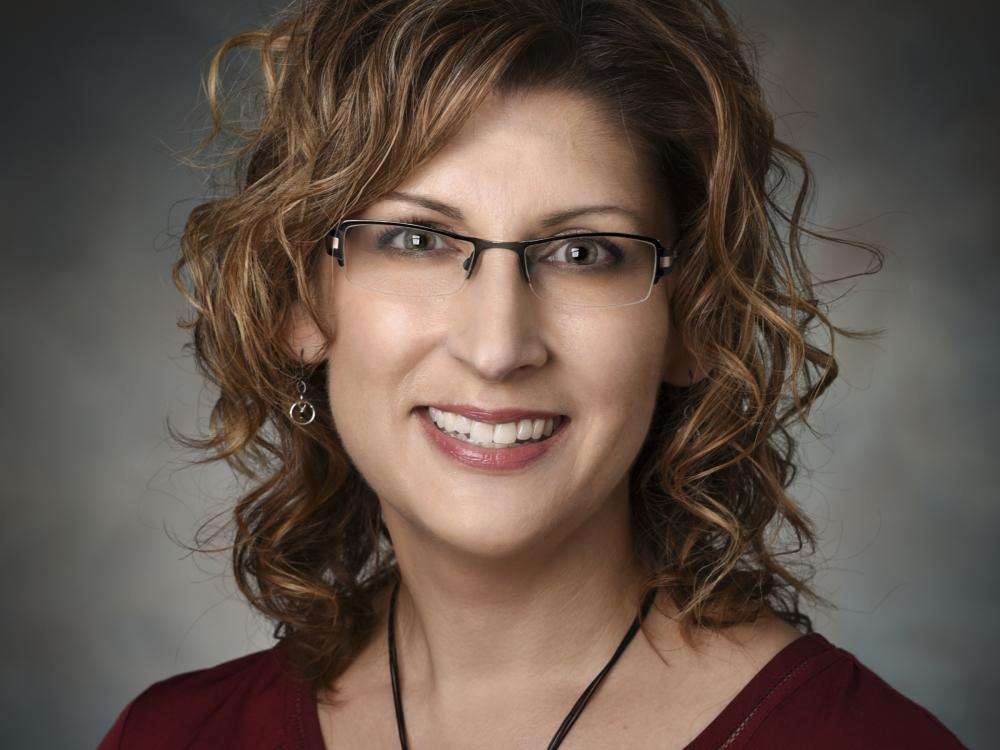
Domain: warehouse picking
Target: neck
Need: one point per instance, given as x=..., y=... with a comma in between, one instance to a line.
x=549, y=616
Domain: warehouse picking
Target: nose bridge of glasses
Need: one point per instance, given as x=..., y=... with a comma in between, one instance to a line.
x=481, y=246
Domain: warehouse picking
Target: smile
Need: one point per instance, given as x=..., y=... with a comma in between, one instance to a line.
x=493, y=435
x=495, y=447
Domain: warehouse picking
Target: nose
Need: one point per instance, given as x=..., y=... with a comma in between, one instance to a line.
x=495, y=319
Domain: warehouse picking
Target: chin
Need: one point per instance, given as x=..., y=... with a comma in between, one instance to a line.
x=486, y=527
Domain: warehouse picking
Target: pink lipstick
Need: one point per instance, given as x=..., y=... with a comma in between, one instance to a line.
x=481, y=457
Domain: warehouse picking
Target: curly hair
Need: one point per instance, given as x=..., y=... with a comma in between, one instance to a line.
x=351, y=97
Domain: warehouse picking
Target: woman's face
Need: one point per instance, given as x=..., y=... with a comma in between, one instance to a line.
x=493, y=345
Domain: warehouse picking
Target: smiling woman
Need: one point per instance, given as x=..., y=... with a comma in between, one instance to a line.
x=505, y=492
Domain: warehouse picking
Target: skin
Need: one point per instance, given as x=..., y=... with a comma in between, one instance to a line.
x=518, y=586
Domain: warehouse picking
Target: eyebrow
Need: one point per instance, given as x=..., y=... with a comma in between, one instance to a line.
x=546, y=222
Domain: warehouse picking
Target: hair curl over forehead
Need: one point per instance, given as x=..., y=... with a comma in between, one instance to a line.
x=352, y=96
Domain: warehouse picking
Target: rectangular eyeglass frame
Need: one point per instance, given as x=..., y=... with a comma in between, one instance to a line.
x=334, y=244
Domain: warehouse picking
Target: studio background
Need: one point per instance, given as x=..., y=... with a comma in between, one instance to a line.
x=894, y=105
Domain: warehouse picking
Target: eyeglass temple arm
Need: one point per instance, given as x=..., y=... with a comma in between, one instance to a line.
x=332, y=243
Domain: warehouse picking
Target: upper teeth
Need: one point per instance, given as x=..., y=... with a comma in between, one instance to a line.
x=501, y=434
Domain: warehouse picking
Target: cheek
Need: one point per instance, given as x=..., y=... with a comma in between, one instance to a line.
x=620, y=353
x=618, y=374
x=371, y=356
x=615, y=363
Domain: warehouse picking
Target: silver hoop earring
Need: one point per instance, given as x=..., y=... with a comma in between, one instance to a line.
x=302, y=412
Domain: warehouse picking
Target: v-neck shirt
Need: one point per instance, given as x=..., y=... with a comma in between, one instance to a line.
x=810, y=694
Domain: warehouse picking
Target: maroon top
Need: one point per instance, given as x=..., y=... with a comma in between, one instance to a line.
x=811, y=694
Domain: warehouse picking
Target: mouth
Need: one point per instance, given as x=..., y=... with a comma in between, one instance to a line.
x=486, y=446
x=495, y=430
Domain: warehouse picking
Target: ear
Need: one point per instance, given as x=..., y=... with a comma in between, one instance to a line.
x=680, y=367
x=303, y=337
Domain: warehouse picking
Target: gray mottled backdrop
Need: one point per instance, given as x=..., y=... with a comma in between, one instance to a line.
x=893, y=103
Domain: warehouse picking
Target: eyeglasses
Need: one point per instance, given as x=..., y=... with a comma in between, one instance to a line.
x=609, y=269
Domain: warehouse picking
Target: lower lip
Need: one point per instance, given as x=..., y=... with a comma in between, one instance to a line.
x=496, y=459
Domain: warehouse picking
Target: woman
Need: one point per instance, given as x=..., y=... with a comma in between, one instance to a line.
x=508, y=338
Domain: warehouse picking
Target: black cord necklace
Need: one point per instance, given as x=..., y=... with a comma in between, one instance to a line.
x=574, y=712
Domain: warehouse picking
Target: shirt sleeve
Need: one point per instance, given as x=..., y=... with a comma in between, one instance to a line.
x=846, y=705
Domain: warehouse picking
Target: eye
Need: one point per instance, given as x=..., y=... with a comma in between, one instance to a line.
x=416, y=241
x=578, y=252
x=409, y=240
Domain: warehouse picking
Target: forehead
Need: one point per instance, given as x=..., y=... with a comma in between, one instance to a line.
x=520, y=151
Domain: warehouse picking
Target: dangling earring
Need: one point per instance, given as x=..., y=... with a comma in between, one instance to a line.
x=301, y=411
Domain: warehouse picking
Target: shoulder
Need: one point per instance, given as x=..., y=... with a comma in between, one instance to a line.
x=824, y=697
x=244, y=702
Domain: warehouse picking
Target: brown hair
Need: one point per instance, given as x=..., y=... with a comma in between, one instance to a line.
x=356, y=94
